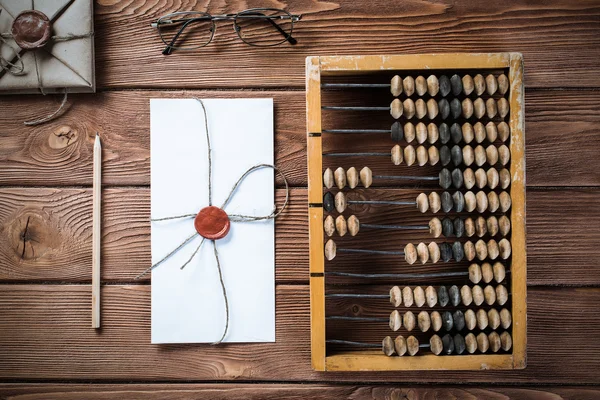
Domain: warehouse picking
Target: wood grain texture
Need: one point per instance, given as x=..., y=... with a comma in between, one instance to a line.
x=56, y=246
x=559, y=40
x=280, y=391
x=560, y=131
x=46, y=335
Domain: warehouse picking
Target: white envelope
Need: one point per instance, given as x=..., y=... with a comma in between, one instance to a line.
x=188, y=304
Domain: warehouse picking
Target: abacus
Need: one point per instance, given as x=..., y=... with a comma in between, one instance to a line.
x=416, y=195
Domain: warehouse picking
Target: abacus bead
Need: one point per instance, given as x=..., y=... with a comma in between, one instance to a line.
x=329, y=226
x=409, y=321
x=480, y=178
x=410, y=253
x=408, y=85
x=435, y=345
x=445, y=156
x=445, y=178
x=493, y=201
x=479, y=131
x=492, y=249
x=457, y=178
x=503, y=107
x=469, y=178
x=494, y=342
x=492, y=224
x=400, y=345
x=505, y=318
x=459, y=227
x=410, y=155
x=340, y=225
x=468, y=155
x=330, y=250
x=474, y=273
x=420, y=85
x=431, y=296
x=434, y=252
x=503, y=131
x=436, y=321
x=444, y=108
x=448, y=344
x=503, y=154
x=505, y=201
x=469, y=227
x=412, y=345
x=447, y=321
x=419, y=296
x=479, y=155
x=456, y=85
x=467, y=108
x=454, y=295
x=505, y=249
x=504, y=178
x=456, y=155
x=486, y=272
x=471, y=343
x=459, y=344
x=481, y=250
x=447, y=202
x=493, y=318
x=435, y=202
x=468, y=84
x=353, y=225
x=409, y=108
x=492, y=178
x=423, y=253
x=444, y=130
x=501, y=295
x=340, y=202
x=489, y=294
x=480, y=225
x=505, y=341
x=388, y=346
x=396, y=86
x=433, y=133
x=504, y=225
x=457, y=251
x=479, y=82
x=422, y=156
x=445, y=252
x=491, y=153
x=443, y=296
x=434, y=155
x=395, y=320
x=469, y=249
x=396, y=109
x=366, y=177
x=466, y=296
x=482, y=201
x=503, y=84
x=351, y=177
x=328, y=179
x=397, y=156
x=409, y=132
x=468, y=133
x=482, y=319
x=479, y=108
x=447, y=227
x=459, y=201
x=420, y=108
x=477, y=293
x=423, y=321
x=432, y=108
x=433, y=85
x=435, y=227
x=499, y=272
x=422, y=203
x=491, y=84
x=445, y=85
x=396, y=296
x=407, y=296
x=470, y=320
x=328, y=202
x=397, y=132
x=455, y=108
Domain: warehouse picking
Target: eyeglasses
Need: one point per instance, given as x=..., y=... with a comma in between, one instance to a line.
x=261, y=27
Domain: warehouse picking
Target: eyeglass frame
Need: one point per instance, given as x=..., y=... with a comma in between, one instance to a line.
x=228, y=17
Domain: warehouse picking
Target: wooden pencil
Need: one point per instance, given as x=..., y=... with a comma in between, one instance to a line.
x=96, y=231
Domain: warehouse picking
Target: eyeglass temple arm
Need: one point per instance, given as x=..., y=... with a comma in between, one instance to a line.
x=289, y=38
x=169, y=49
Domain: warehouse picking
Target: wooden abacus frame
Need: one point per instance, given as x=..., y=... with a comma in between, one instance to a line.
x=377, y=361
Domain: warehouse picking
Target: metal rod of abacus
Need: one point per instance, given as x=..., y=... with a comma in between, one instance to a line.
x=362, y=319
x=395, y=276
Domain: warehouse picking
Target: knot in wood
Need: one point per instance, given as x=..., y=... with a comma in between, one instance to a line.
x=212, y=223
x=63, y=137
x=32, y=234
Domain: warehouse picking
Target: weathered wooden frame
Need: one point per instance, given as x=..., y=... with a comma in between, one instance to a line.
x=376, y=360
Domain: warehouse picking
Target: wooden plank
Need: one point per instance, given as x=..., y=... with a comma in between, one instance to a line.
x=46, y=335
x=58, y=239
x=559, y=39
x=561, y=136
x=20, y=391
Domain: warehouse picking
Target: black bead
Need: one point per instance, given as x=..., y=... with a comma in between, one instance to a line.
x=448, y=344
x=443, y=296
x=459, y=344
x=397, y=132
x=447, y=202
x=445, y=252
x=457, y=178
x=459, y=320
x=445, y=178
x=456, y=154
x=458, y=251
x=444, y=131
x=454, y=295
x=445, y=156
x=328, y=202
x=459, y=227
x=445, y=85
x=456, y=133
x=444, y=108
x=455, y=108
x=459, y=201
x=447, y=227
x=456, y=84
x=447, y=322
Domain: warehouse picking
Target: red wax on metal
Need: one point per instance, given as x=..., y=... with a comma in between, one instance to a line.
x=212, y=223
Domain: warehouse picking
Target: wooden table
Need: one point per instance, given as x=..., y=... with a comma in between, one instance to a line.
x=47, y=347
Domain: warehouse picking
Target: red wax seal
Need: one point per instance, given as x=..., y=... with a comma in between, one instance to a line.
x=212, y=223
x=31, y=29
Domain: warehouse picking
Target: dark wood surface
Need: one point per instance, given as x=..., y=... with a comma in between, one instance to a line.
x=49, y=351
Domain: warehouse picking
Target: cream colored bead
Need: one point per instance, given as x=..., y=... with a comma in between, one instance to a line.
x=505, y=318
x=434, y=252
x=503, y=84
x=329, y=226
x=504, y=154
x=493, y=179
x=340, y=202
x=499, y=272
x=468, y=133
x=395, y=320
x=469, y=250
x=431, y=296
x=470, y=343
x=469, y=227
x=422, y=156
x=491, y=84
x=410, y=155
x=409, y=321
x=396, y=86
x=423, y=321
x=409, y=108
x=420, y=108
x=468, y=178
x=435, y=202
x=489, y=294
x=482, y=319
x=479, y=108
x=468, y=84
x=477, y=293
x=353, y=225
x=505, y=248
x=410, y=253
x=423, y=253
x=504, y=225
x=433, y=85
x=493, y=318
x=328, y=179
x=479, y=155
x=474, y=273
x=396, y=109
x=387, y=346
x=400, y=346
x=396, y=296
x=408, y=85
x=421, y=132
x=407, y=296
x=340, y=225
x=409, y=132
x=397, y=155
x=503, y=107
x=422, y=203
x=505, y=341
x=432, y=109
x=436, y=321
x=468, y=155
x=492, y=224
x=480, y=133
x=495, y=343
x=434, y=155
x=352, y=177
x=491, y=108
x=435, y=227
x=493, y=201
x=505, y=201
x=480, y=178
x=482, y=201
x=466, y=296
x=366, y=177
x=340, y=178
x=420, y=85
x=470, y=201
x=330, y=250
x=479, y=82
x=481, y=250
x=480, y=225
x=492, y=154
x=467, y=108
x=501, y=295
x=419, y=296
x=504, y=178
x=492, y=249
x=470, y=320
x=503, y=131
x=483, y=343
x=412, y=345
